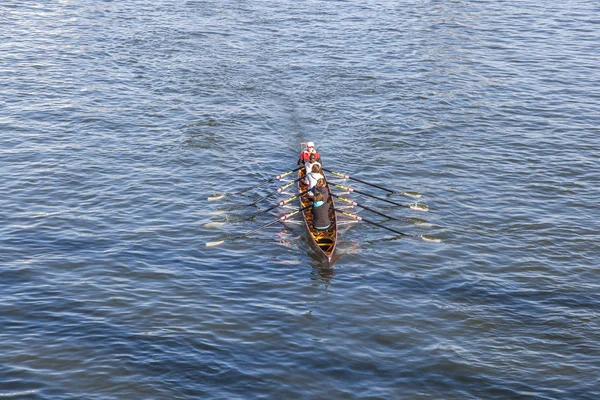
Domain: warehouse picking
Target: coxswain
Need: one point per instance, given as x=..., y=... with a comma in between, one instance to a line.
x=305, y=155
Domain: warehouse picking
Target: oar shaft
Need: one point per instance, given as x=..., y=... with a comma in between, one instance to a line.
x=349, y=189
x=354, y=203
x=346, y=176
x=282, y=218
x=278, y=190
x=281, y=203
x=276, y=177
x=261, y=227
x=359, y=218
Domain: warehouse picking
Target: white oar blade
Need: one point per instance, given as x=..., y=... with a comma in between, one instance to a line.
x=424, y=224
x=215, y=243
x=419, y=207
x=216, y=197
x=214, y=224
x=430, y=239
x=411, y=194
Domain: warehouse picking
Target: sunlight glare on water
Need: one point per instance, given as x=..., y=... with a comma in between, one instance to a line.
x=133, y=130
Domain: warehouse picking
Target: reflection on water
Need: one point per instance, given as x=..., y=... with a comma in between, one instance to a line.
x=322, y=274
x=123, y=150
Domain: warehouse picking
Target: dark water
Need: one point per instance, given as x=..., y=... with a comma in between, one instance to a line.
x=120, y=119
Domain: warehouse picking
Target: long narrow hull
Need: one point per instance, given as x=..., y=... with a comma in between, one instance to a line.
x=322, y=241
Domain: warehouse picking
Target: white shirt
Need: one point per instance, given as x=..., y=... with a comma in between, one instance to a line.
x=309, y=166
x=312, y=179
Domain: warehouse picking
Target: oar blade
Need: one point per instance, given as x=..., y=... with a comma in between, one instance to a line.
x=215, y=243
x=432, y=239
x=214, y=225
x=215, y=197
x=410, y=194
x=419, y=207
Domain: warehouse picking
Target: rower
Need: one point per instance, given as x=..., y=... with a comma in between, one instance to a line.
x=312, y=161
x=320, y=211
x=315, y=174
x=322, y=188
x=308, y=166
x=305, y=155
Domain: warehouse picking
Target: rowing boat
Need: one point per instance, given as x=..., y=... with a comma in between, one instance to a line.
x=323, y=241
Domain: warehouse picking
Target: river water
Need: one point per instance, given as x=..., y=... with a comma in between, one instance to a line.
x=120, y=119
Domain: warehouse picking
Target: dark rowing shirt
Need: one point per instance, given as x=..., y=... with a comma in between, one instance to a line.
x=323, y=190
x=321, y=216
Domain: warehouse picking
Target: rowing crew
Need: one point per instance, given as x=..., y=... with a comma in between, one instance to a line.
x=318, y=190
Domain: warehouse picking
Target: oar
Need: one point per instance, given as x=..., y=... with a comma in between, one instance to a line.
x=281, y=203
x=279, y=219
x=415, y=206
x=359, y=218
x=276, y=177
x=367, y=208
x=346, y=176
x=278, y=190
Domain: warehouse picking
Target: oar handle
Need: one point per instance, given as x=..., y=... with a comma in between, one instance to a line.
x=287, y=173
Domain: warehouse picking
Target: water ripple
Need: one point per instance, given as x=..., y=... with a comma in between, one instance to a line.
x=121, y=119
